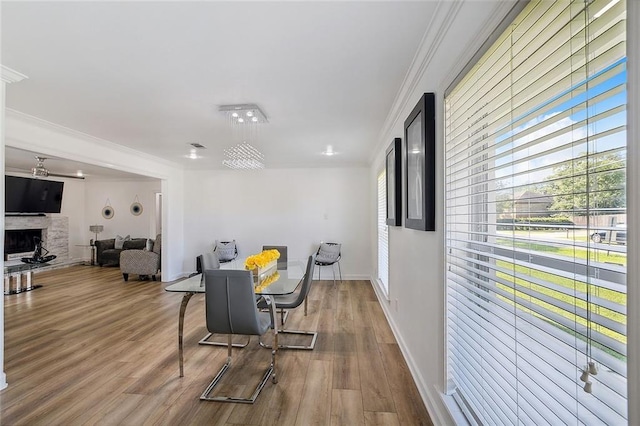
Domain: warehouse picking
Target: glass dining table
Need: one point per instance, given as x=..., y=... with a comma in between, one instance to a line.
x=285, y=281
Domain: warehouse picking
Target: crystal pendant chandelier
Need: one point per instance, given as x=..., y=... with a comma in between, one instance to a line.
x=245, y=121
x=243, y=156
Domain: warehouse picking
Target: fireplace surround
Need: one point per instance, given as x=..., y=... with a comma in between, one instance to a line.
x=54, y=233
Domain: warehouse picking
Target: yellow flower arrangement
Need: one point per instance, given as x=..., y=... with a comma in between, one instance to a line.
x=261, y=260
x=267, y=282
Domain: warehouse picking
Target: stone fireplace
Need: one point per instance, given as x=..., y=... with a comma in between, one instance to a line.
x=54, y=232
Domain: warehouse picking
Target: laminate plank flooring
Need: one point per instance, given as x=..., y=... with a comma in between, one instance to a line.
x=88, y=348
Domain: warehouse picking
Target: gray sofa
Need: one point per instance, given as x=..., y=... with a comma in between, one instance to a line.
x=108, y=255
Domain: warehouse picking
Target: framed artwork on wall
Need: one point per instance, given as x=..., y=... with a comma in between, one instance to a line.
x=420, y=173
x=394, y=182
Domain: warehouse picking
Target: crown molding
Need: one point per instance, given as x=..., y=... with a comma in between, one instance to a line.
x=438, y=28
x=11, y=76
x=31, y=121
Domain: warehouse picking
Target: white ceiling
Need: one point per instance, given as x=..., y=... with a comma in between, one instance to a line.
x=151, y=75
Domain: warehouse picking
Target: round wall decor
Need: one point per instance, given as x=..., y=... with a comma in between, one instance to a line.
x=107, y=210
x=136, y=207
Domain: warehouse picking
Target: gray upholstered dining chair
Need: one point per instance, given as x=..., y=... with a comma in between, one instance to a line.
x=282, y=261
x=207, y=262
x=292, y=301
x=328, y=255
x=230, y=305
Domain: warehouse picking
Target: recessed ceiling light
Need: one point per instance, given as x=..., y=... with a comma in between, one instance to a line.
x=235, y=114
x=249, y=113
x=329, y=151
x=193, y=155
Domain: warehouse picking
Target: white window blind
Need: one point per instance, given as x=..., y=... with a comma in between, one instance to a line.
x=535, y=172
x=383, y=234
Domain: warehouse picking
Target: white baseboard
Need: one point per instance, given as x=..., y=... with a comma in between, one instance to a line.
x=3, y=381
x=430, y=395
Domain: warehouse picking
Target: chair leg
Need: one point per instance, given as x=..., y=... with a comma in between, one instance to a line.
x=297, y=332
x=269, y=372
x=333, y=269
x=274, y=379
x=340, y=270
x=125, y=276
x=205, y=341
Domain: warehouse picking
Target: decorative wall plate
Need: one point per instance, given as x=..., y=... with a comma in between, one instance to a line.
x=107, y=210
x=136, y=209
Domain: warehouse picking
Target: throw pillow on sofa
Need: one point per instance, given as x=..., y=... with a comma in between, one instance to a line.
x=120, y=241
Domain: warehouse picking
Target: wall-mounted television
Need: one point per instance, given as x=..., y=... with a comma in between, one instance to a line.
x=26, y=195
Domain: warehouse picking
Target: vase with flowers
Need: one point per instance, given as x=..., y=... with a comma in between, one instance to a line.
x=263, y=263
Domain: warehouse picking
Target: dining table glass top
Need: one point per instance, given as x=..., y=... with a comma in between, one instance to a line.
x=277, y=282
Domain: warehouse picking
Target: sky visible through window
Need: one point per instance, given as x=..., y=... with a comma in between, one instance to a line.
x=513, y=157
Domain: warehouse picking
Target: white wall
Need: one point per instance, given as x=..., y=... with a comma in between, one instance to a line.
x=292, y=207
x=121, y=195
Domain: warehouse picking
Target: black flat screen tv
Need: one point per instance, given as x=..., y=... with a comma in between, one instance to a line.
x=26, y=195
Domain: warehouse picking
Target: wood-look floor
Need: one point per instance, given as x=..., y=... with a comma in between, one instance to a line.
x=88, y=348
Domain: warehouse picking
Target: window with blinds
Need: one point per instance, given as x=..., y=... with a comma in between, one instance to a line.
x=383, y=234
x=535, y=172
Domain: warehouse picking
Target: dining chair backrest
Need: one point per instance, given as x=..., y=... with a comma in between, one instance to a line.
x=230, y=303
x=207, y=261
x=308, y=277
x=282, y=261
x=306, y=282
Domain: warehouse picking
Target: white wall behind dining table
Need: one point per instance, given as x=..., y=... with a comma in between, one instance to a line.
x=293, y=207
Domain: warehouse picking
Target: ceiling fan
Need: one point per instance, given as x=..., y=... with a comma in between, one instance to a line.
x=41, y=171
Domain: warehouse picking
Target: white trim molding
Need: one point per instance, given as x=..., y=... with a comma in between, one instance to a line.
x=438, y=28
x=633, y=210
x=7, y=76
x=11, y=76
